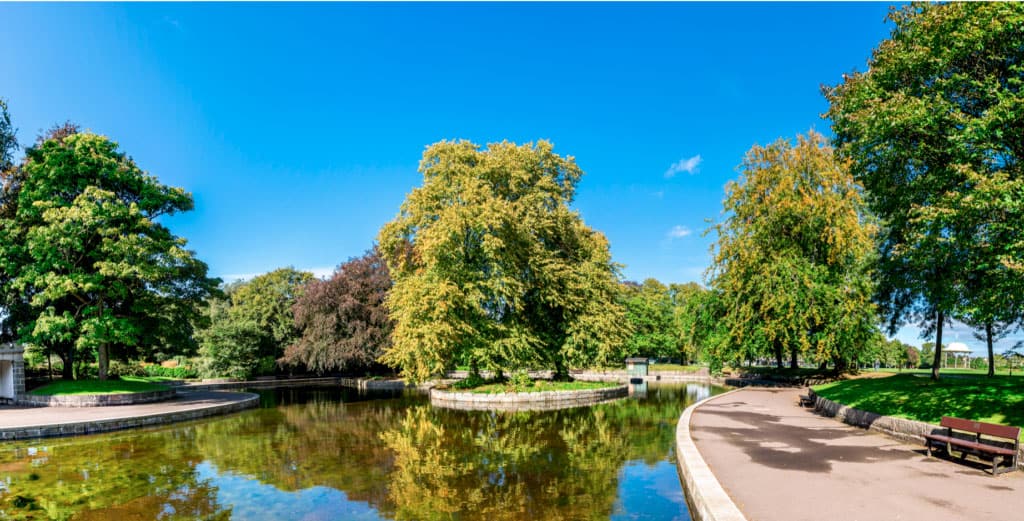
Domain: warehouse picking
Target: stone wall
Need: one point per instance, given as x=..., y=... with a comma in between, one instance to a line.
x=900, y=428
x=95, y=400
x=245, y=401
x=546, y=400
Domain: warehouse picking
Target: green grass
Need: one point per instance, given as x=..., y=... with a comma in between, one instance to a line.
x=537, y=386
x=127, y=384
x=980, y=372
x=674, y=368
x=999, y=399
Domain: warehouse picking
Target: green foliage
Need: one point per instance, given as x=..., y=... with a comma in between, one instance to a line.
x=520, y=382
x=998, y=399
x=930, y=130
x=120, y=369
x=86, y=260
x=233, y=349
x=650, y=310
x=250, y=327
x=180, y=372
x=493, y=269
x=790, y=266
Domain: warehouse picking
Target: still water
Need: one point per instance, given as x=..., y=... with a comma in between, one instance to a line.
x=335, y=454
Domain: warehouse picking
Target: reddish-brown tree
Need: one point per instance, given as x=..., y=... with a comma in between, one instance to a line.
x=343, y=321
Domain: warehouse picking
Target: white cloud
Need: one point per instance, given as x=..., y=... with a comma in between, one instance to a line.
x=689, y=165
x=678, y=232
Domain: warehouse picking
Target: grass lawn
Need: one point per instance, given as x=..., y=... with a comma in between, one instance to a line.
x=999, y=399
x=537, y=386
x=127, y=384
x=674, y=368
x=980, y=372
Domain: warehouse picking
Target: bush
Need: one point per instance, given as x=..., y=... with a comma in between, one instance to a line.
x=180, y=372
x=118, y=368
x=521, y=379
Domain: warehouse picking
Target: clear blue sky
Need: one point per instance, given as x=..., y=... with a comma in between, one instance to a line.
x=298, y=128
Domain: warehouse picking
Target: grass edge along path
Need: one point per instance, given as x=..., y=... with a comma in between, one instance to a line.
x=123, y=385
x=998, y=399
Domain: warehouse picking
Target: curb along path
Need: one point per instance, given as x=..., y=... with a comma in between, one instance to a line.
x=705, y=496
x=780, y=462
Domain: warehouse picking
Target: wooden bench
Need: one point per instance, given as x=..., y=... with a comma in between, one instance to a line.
x=1004, y=449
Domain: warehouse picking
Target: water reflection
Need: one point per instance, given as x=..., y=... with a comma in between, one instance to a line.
x=331, y=454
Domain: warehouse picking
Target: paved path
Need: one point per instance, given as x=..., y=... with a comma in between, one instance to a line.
x=17, y=421
x=781, y=462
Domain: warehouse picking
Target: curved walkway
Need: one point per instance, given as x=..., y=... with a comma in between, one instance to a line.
x=781, y=462
x=20, y=422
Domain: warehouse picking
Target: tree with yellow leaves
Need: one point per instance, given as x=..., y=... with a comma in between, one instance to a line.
x=791, y=261
x=493, y=269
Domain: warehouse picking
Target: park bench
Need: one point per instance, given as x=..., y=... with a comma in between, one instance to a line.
x=806, y=400
x=1004, y=449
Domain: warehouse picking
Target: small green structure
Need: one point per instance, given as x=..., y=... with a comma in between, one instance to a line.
x=637, y=367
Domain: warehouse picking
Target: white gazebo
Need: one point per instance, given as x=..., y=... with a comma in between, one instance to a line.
x=960, y=352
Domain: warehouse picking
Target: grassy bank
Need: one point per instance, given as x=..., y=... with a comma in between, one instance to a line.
x=535, y=387
x=999, y=399
x=124, y=385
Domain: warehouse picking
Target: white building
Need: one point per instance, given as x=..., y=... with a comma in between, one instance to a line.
x=12, y=372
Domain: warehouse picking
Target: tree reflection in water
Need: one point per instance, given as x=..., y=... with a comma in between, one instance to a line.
x=329, y=454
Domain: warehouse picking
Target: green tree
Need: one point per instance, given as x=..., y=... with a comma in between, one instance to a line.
x=931, y=131
x=251, y=326
x=492, y=267
x=650, y=310
x=9, y=180
x=84, y=250
x=790, y=263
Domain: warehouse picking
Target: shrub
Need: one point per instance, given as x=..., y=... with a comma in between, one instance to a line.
x=180, y=372
x=118, y=368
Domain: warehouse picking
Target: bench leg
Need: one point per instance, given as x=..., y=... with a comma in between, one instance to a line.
x=928, y=445
x=995, y=465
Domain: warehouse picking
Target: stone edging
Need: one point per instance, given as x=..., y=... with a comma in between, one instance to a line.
x=114, y=424
x=95, y=400
x=899, y=428
x=705, y=496
x=526, y=401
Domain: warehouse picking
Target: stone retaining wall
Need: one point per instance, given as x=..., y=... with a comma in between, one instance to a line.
x=900, y=428
x=95, y=400
x=88, y=427
x=546, y=400
x=656, y=376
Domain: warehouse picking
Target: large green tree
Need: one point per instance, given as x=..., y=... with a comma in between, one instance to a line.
x=492, y=267
x=790, y=262
x=9, y=179
x=934, y=130
x=84, y=252
x=250, y=327
x=650, y=310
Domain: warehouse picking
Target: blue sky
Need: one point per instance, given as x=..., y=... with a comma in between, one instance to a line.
x=298, y=128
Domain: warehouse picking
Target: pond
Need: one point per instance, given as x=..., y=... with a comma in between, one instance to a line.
x=330, y=454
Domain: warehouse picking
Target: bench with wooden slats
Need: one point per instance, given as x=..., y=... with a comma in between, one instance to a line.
x=999, y=451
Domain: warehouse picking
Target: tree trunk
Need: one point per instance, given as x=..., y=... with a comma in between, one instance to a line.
x=991, y=357
x=937, y=360
x=778, y=354
x=102, y=354
x=561, y=371
x=68, y=371
x=792, y=359
x=822, y=367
